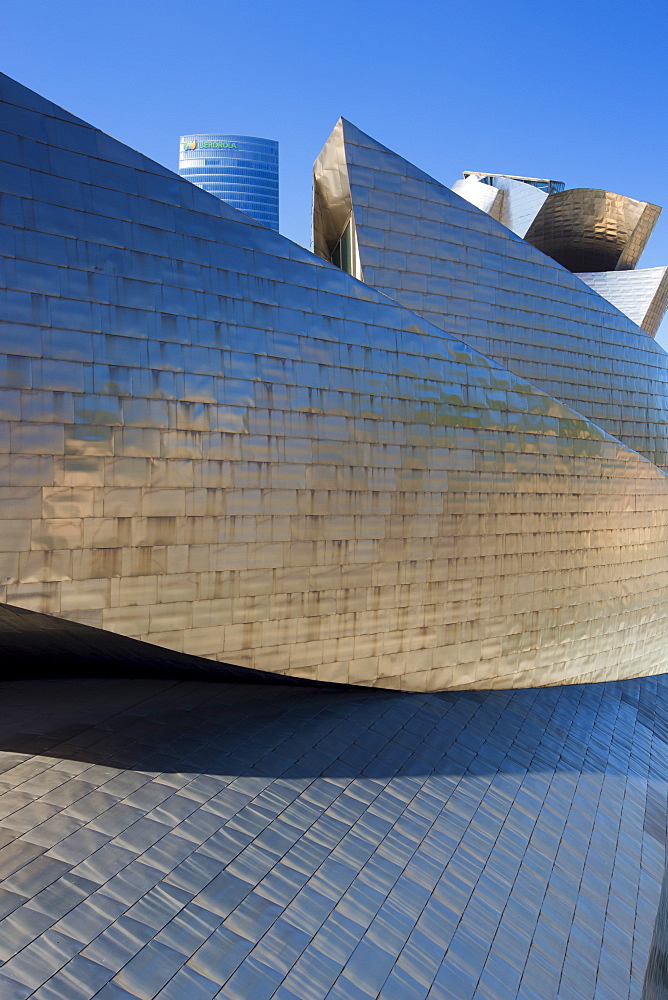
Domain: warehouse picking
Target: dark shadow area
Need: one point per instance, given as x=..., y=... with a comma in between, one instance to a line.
x=35, y=645
x=308, y=731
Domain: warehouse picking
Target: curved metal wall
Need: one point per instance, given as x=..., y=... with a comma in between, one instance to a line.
x=217, y=443
x=587, y=229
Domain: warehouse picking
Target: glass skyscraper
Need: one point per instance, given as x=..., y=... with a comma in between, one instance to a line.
x=240, y=169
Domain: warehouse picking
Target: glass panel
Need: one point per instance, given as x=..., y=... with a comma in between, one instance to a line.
x=342, y=254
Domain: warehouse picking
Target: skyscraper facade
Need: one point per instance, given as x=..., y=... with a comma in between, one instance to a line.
x=240, y=169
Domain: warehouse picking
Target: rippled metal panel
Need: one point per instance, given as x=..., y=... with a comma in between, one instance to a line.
x=455, y=266
x=217, y=443
x=640, y=295
x=587, y=229
x=192, y=841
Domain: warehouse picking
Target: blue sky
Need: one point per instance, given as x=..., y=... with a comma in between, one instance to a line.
x=573, y=91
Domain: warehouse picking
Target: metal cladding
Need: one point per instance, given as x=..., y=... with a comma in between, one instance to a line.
x=220, y=444
x=570, y=231
x=511, y=202
x=486, y=197
x=272, y=842
x=433, y=252
x=586, y=229
x=641, y=295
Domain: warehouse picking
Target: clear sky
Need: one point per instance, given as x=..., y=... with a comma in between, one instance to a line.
x=575, y=91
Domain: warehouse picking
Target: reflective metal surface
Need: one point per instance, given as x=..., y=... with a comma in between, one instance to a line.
x=190, y=841
x=215, y=442
x=438, y=255
x=641, y=295
x=219, y=444
x=332, y=206
x=515, y=204
x=591, y=230
x=486, y=197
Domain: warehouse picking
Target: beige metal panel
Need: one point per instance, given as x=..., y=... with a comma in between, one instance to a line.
x=20, y=503
x=69, y=501
x=14, y=535
x=343, y=491
x=48, y=534
x=84, y=595
x=587, y=229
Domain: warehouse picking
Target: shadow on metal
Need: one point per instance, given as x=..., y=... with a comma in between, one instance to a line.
x=522, y=831
x=34, y=645
x=148, y=723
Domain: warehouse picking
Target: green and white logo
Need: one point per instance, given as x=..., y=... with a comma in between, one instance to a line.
x=212, y=144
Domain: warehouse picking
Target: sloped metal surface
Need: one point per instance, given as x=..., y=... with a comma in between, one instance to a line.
x=641, y=295
x=35, y=645
x=440, y=256
x=221, y=445
x=515, y=204
x=186, y=841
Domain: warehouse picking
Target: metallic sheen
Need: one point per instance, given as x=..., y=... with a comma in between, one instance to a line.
x=272, y=842
x=578, y=228
x=641, y=295
x=217, y=442
x=591, y=230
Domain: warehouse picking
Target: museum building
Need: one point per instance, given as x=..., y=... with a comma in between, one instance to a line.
x=428, y=459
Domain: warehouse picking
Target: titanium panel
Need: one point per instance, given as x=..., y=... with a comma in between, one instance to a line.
x=515, y=206
x=332, y=209
x=640, y=295
x=244, y=454
x=487, y=198
x=436, y=254
x=587, y=229
x=186, y=841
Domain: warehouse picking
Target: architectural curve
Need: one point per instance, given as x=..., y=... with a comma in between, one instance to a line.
x=216, y=442
x=515, y=202
x=220, y=444
x=587, y=229
x=196, y=841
